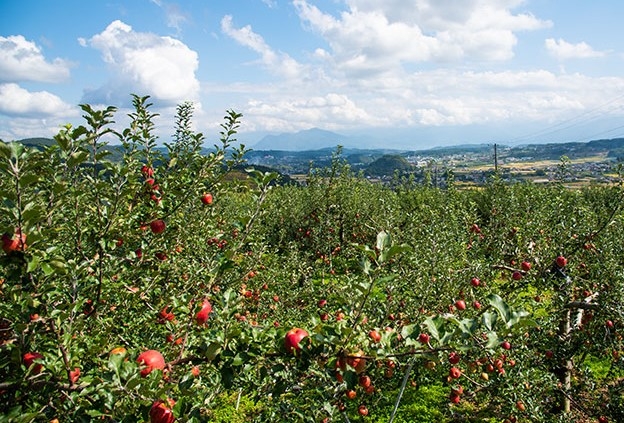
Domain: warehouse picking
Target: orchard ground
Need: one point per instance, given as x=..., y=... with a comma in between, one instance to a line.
x=419, y=304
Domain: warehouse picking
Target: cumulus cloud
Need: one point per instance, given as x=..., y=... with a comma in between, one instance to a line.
x=374, y=35
x=563, y=50
x=292, y=113
x=276, y=62
x=16, y=101
x=23, y=60
x=144, y=63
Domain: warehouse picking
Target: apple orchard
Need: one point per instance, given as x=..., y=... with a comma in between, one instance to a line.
x=168, y=284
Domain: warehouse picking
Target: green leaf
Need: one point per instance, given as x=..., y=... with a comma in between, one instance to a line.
x=501, y=306
x=213, y=350
x=489, y=320
x=383, y=241
x=77, y=158
x=466, y=326
x=434, y=326
x=408, y=330
x=33, y=263
x=517, y=317
x=493, y=340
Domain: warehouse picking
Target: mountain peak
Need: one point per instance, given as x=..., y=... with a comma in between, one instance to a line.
x=307, y=139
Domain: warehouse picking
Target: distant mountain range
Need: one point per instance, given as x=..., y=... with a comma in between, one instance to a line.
x=306, y=140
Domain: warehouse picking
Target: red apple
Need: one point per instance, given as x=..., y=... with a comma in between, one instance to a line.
x=561, y=261
x=17, y=242
x=453, y=357
x=455, y=373
x=363, y=410
x=516, y=276
x=525, y=265
x=29, y=359
x=374, y=335
x=147, y=171
x=322, y=303
x=475, y=282
x=506, y=345
x=162, y=411
x=609, y=324
x=364, y=381
x=424, y=338
x=460, y=304
x=151, y=360
x=74, y=375
x=158, y=226
x=292, y=339
x=202, y=315
x=476, y=305
x=206, y=199
x=357, y=361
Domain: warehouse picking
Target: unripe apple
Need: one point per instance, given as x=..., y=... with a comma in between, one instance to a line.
x=118, y=350
x=151, y=360
x=292, y=339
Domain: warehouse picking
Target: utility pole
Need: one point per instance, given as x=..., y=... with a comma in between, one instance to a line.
x=495, y=159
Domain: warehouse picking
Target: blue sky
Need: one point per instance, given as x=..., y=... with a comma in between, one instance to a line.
x=413, y=73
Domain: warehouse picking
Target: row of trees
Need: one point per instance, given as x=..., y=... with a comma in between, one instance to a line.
x=160, y=287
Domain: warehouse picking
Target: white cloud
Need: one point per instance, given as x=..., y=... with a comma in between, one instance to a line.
x=432, y=98
x=16, y=101
x=23, y=60
x=144, y=63
x=291, y=113
x=563, y=50
x=376, y=35
x=276, y=62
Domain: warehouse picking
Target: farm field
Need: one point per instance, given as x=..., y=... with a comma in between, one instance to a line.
x=158, y=288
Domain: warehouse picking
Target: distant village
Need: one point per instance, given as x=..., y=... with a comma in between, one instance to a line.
x=461, y=165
